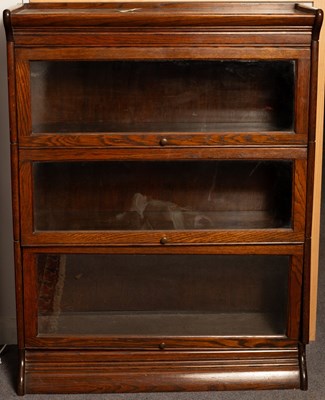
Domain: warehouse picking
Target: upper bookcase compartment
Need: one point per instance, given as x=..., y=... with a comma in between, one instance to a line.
x=163, y=74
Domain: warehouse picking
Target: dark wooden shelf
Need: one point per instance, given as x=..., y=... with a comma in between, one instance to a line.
x=189, y=220
x=180, y=128
x=163, y=324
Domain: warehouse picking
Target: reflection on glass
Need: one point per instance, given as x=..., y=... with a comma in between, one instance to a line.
x=162, y=96
x=162, y=294
x=186, y=195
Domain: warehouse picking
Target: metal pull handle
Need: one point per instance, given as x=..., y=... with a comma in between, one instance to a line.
x=163, y=240
x=163, y=141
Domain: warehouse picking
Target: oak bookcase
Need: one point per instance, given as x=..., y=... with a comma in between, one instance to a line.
x=163, y=163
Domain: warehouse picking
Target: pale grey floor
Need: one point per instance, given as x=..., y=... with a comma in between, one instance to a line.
x=315, y=363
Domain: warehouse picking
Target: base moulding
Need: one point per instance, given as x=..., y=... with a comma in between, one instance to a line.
x=100, y=371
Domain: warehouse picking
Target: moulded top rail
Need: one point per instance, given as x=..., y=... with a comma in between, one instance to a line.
x=158, y=14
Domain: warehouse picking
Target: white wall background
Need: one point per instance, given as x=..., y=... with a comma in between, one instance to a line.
x=7, y=288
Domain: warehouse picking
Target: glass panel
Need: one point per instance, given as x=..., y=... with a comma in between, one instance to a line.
x=162, y=294
x=162, y=195
x=162, y=96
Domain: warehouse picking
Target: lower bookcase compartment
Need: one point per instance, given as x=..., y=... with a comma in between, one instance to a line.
x=80, y=295
x=98, y=371
x=162, y=319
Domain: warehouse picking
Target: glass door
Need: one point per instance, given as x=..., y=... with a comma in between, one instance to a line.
x=141, y=295
x=173, y=195
x=157, y=102
x=158, y=202
x=162, y=96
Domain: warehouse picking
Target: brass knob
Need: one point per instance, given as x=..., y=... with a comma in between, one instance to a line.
x=163, y=240
x=163, y=141
x=162, y=346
